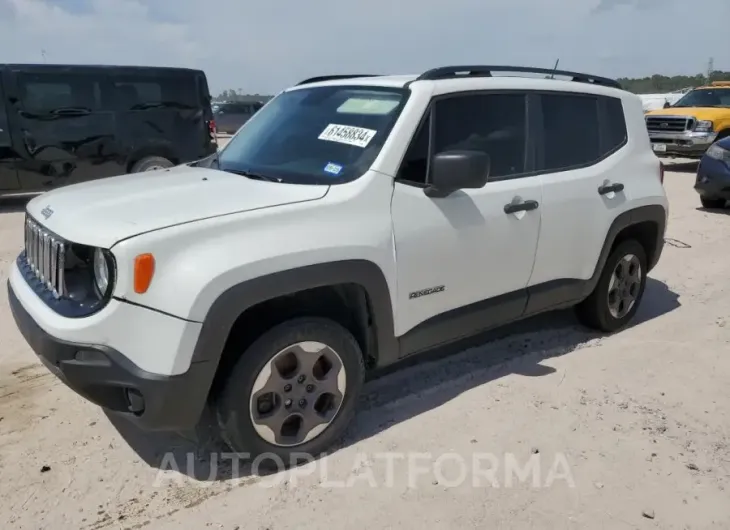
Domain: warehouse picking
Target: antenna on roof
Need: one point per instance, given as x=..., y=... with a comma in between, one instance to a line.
x=555, y=68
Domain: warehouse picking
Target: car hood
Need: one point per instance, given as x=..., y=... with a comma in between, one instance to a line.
x=105, y=211
x=701, y=113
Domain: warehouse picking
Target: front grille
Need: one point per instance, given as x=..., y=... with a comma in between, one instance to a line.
x=661, y=124
x=45, y=253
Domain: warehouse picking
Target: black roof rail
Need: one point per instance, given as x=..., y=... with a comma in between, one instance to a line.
x=446, y=72
x=333, y=78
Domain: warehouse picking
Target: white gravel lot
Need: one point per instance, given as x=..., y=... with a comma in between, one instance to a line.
x=638, y=423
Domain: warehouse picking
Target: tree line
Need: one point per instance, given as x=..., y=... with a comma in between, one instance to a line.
x=657, y=84
x=642, y=85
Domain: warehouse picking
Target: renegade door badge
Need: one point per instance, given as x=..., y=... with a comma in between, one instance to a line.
x=424, y=292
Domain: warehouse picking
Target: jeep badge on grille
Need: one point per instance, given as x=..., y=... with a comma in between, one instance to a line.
x=46, y=212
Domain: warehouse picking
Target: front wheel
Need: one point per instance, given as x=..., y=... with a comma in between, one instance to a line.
x=292, y=392
x=151, y=163
x=616, y=297
x=712, y=203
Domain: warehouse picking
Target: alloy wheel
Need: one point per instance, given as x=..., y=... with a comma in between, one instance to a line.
x=297, y=394
x=624, y=286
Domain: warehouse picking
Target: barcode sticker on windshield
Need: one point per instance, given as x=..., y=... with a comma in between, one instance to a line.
x=347, y=134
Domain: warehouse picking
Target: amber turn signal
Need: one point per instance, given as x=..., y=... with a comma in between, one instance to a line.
x=144, y=270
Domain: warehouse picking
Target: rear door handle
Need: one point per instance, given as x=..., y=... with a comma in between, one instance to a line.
x=525, y=206
x=608, y=188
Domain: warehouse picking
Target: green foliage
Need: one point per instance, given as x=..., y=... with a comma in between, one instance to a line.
x=658, y=84
x=655, y=84
x=238, y=95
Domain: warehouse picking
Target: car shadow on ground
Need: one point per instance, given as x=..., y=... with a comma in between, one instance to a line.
x=682, y=167
x=725, y=210
x=428, y=383
x=14, y=204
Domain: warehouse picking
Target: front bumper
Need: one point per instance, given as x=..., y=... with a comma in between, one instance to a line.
x=713, y=179
x=107, y=378
x=685, y=144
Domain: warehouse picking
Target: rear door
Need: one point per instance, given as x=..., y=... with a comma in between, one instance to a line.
x=8, y=159
x=65, y=135
x=583, y=153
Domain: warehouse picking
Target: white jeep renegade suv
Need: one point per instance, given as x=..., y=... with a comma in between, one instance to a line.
x=352, y=222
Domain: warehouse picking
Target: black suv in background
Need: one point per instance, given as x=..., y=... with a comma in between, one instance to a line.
x=62, y=124
x=230, y=116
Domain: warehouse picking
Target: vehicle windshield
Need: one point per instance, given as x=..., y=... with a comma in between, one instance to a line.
x=321, y=135
x=705, y=97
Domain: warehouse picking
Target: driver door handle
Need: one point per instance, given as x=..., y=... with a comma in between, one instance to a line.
x=608, y=188
x=524, y=206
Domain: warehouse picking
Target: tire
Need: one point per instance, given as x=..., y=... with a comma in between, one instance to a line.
x=235, y=405
x=151, y=163
x=596, y=311
x=712, y=203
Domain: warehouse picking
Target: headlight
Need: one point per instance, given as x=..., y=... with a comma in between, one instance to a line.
x=101, y=271
x=718, y=153
x=703, y=126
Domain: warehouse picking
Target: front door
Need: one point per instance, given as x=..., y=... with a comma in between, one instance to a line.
x=464, y=260
x=8, y=174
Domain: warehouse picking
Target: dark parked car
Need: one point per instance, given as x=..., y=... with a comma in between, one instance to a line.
x=63, y=124
x=713, y=175
x=230, y=116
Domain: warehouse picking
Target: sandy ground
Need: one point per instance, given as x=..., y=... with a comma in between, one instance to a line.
x=627, y=431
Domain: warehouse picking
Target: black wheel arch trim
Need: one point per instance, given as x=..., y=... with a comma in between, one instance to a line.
x=233, y=302
x=654, y=213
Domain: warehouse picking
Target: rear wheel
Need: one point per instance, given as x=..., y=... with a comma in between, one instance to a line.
x=292, y=392
x=151, y=163
x=616, y=298
x=712, y=203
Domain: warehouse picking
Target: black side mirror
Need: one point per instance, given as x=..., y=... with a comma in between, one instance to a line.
x=667, y=105
x=456, y=170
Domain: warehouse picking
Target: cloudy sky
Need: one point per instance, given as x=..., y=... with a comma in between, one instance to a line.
x=264, y=46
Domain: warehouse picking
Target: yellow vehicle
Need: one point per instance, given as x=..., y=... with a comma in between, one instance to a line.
x=692, y=124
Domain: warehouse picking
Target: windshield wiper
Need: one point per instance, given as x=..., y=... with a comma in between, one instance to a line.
x=252, y=175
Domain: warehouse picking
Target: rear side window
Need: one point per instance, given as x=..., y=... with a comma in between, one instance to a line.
x=153, y=91
x=570, y=131
x=47, y=92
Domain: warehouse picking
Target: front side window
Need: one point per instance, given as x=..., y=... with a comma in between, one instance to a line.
x=320, y=135
x=705, y=97
x=493, y=123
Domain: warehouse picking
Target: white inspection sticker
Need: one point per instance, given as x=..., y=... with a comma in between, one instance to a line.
x=347, y=134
